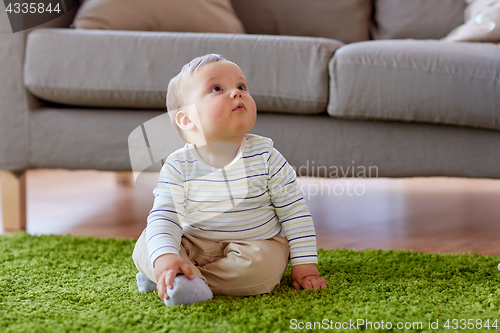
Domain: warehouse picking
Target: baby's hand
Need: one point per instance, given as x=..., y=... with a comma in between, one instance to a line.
x=307, y=277
x=167, y=267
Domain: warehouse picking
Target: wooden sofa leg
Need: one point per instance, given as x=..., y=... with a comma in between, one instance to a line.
x=13, y=193
x=125, y=178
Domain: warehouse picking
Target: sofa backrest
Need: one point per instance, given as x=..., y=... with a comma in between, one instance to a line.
x=344, y=20
x=351, y=20
x=417, y=19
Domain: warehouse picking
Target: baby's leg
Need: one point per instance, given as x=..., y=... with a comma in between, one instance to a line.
x=146, y=277
x=185, y=291
x=248, y=267
x=144, y=284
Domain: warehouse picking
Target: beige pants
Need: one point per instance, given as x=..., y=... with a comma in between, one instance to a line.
x=233, y=268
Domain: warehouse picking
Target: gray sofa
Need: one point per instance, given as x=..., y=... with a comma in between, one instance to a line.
x=405, y=104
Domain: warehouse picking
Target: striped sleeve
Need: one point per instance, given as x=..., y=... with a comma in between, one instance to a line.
x=164, y=231
x=296, y=220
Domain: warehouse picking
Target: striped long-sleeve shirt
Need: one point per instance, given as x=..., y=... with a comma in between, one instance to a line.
x=256, y=196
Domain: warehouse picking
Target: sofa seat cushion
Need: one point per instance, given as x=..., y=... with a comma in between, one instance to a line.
x=100, y=68
x=423, y=81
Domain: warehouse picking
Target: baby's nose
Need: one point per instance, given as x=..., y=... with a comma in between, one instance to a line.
x=235, y=93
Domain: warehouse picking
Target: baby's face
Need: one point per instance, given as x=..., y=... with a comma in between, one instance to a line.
x=225, y=108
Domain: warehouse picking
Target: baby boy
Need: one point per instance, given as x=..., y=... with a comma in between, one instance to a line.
x=228, y=214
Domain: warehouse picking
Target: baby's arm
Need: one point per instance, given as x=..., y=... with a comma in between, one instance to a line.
x=296, y=222
x=307, y=277
x=166, y=268
x=164, y=231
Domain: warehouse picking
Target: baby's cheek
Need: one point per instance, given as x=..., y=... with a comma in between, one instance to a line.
x=254, y=106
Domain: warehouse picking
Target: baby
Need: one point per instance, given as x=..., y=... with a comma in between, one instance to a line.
x=228, y=214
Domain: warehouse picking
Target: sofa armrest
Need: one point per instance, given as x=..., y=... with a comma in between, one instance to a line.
x=14, y=118
x=16, y=101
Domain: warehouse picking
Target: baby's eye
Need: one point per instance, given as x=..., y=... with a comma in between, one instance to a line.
x=242, y=87
x=216, y=89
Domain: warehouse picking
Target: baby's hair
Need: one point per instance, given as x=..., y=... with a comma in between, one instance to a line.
x=175, y=95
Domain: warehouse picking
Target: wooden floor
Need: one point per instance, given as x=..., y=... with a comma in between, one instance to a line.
x=447, y=215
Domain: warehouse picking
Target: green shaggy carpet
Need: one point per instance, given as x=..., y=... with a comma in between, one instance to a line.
x=67, y=283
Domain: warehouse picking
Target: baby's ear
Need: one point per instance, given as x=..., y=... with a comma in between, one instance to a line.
x=183, y=121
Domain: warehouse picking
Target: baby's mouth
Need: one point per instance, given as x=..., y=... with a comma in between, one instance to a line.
x=239, y=107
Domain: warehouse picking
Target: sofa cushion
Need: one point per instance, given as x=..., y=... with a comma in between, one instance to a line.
x=417, y=19
x=159, y=15
x=101, y=68
x=423, y=81
x=344, y=20
x=482, y=23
